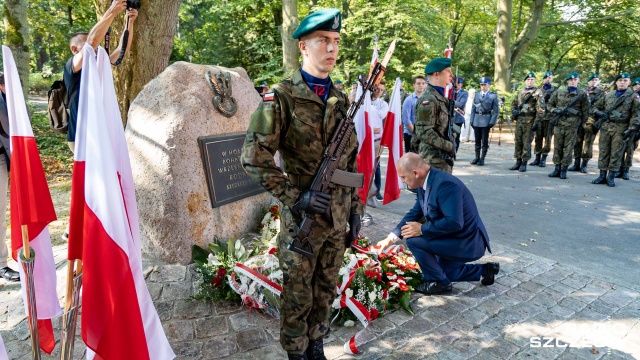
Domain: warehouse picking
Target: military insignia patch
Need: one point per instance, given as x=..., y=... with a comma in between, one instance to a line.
x=336, y=22
x=268, y=97
x=426, y=102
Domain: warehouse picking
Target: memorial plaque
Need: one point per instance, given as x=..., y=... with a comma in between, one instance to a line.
x=226, y=178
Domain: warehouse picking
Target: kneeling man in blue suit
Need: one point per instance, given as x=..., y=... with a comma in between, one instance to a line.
x=443, y=229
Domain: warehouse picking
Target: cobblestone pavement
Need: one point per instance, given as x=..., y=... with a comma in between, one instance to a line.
x=537, y=309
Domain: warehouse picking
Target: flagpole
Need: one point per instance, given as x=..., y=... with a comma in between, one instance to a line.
x=70, y=317
x=27, y=260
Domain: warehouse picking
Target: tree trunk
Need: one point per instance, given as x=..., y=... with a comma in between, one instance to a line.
x=528, y=34
x=502, y=54
x=16, y=38
x=289, y=45
x=152, y=43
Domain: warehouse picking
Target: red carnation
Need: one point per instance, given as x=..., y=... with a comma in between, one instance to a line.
x=222, y=272
x=403, y=287
x=374, y=313
x=217, y=281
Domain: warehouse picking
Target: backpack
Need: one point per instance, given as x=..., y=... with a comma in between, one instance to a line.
x=58, y=107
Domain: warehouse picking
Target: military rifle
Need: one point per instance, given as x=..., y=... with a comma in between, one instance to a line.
x=452, y=113
x=567, y=110
x=523, y=105
x=610, y=111
x=339, y=140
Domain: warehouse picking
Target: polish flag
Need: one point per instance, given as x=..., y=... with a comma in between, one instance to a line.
x=364, y=132
x=392, y=139
x=119, y=320
x=449, y=88
x=31, y=205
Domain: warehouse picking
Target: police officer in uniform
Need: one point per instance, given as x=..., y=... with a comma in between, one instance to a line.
x=584, y=146
x=297, y=118
x=544, y=134
x=432, y=118
x=461, y=101
x=619, y=122
x=632, y=142
x=569, y=120
x=484, y=114
x=528, y=108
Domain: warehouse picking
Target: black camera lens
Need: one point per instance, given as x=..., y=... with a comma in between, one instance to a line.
x=133, y=4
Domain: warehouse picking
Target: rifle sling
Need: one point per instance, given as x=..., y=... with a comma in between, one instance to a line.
x=621, y=99
x=340, y=177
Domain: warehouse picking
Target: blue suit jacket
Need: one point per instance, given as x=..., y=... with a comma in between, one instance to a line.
x=461, y=102
x=453, y=226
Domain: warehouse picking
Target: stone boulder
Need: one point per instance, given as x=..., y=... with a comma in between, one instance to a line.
x=164, y=123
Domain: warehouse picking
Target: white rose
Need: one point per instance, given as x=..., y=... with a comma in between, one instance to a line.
x=349, y=293
x=372, y=296
x=336, y=303
x=349, y=323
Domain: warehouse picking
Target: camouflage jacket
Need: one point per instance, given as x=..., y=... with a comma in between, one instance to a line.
x=625, y=115
x=533, y=110
x=293, y=120
x=547, y=96
x=430, y=128
x=562, y=98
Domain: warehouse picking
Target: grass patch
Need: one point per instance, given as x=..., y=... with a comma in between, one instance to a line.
x=57, y=158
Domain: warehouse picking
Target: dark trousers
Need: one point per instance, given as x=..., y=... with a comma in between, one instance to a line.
x=407, y=143
x=442, y=268
x=482, y=137
x=377, y=180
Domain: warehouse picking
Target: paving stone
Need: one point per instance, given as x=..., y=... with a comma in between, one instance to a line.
x=169, y=273
x=244, y=320
x=21, y=331
x=434, y=317
x=399, y=317
x=220, y=346
x=572, y=303
x=467, y=346
x=481, y=293
x=539, y=353
x=543, y=300
x=511, y=316
x=528, y=308
x=522, y=276
x=450, y=309
x=531, y=286
x=191, y=350
x=508, y=281
x=561, y=288
x=178, y=291
x=211, y=326
x=501, y=349
x=490, y=307
x=449, y=354
x=461, y=324
x=497, y=289
x=484, y=334
x=423, y=303
x=544, y=280
x=619, y=297
x=464, y=287
x=17, y=349
x=191, y=309
x=266, y=353
x=394, y=339
x=552, y=294
x=484, y=355
x=418, y=326
x=602, y=307
x=179, y=330
x=519, y=294
x=469, y=302
x=272, y=327
x=380, y=326
x=251, y=339
x=584, y=354
x=475, y=317
x=561, y=311
x=627, y=313
x=445, y=334
x=588, y=314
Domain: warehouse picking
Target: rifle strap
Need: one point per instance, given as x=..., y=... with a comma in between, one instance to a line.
x=574, y=100
x=621, y=99
x=340, y=177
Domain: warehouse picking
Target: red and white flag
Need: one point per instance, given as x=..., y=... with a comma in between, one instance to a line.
x=119, y=320
x=447, y=53
x=392, y=139
x=31, y=205
x=366, y=153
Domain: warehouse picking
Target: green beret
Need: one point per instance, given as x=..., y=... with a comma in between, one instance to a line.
x=624, y=75
x=530, y=75
x=437, y=64
x=593, y=76
x=547, y=74
x=338, y=81
x=636, y=81
x=573, y=75
x=325, y=19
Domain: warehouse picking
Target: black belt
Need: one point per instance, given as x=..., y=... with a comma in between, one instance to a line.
x=340, y=177
x=484, y=113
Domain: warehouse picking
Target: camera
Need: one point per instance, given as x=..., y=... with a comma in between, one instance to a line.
x=133, y=4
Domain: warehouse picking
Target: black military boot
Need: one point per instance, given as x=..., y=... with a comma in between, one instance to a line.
x=523, y=167
x=315, y=351
x=291, y=356
x=602, y=179
x=575, y=166
x=625, y=173
x=543, y=161
x=556, y=172
x=563, y=172
x=610, y=178
x=517, y=165
x=583, y=167
x=619, y=173
x=536, y=161
x=475, y=161
x=481, y=162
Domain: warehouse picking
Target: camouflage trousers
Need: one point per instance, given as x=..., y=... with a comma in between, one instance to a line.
x=627, y=157
x=540, y=138
x=610, y=144
x=565, y=140
x=523, y=140
x=309, y=285
x=587, y=144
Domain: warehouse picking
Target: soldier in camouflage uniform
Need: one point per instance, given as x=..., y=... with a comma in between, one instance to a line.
x=297, y=118
x=632, y=142
x=618, y=122
x=528, y=108
x=544, y=134
x=432, y=118
x=566, y=119
x=584, y=145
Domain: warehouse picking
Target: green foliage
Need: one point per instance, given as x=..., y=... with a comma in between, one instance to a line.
x=41, y=82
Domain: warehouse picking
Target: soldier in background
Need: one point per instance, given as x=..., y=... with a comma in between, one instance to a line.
x=584, y=145
x=296, y=118
x=461, y=101
x=620, y=111
x=338, y=85
x=631, y=138
x=544, y=134
x=569, y=120
x=354, y=90
x=484, y=114
x=432, y=118
x=528, y=108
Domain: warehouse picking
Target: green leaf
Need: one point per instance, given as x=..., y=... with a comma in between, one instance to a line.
x=215, y=248
x=231, y=248
x=405, y=302
x=199, y=254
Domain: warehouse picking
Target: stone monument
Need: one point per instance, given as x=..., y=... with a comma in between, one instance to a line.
x=165, y=133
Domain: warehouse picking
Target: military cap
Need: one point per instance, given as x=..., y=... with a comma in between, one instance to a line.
x=636, y=81
x=354, y=82
x=338, y=81
x=593, y=76
x=624, y=75
x=325, y=19
x=573, y=75
x=547, y=74
x=460, y=79
x=437, y=64
x=484, y=80
x=530, y=75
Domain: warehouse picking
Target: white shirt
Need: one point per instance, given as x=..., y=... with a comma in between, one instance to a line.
x=380, y=110
x=393, y=236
